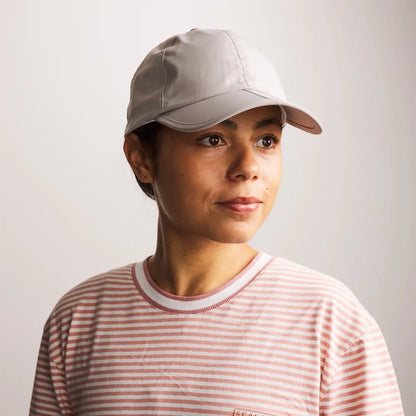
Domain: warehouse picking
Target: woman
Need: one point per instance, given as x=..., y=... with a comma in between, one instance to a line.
x=208, y=325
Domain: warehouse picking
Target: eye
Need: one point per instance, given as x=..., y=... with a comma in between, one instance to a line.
x=267, y=142
x=213, y=140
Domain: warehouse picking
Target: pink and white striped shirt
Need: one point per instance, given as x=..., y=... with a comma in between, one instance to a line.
x=278, y=339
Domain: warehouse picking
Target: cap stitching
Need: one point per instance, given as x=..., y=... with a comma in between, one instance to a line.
x=210, y=96
x=162, y=92
x=250, y=90
x=239, y=57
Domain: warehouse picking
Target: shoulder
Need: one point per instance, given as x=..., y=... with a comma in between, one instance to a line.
x=99, y=288
x=339, y=316
x=75, y=315
x=305, y=278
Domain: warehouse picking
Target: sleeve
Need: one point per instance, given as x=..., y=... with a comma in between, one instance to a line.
x=49, y=396
x=364, y=382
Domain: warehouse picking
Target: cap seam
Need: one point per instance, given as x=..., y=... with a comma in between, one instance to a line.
x=207, y=98
x=248, y=89
x=163, y=116
x=239, y=57
x=162, y=93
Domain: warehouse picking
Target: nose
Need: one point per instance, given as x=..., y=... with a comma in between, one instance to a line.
x=243, y=165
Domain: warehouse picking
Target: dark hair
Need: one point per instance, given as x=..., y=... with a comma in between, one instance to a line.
x=148, y=137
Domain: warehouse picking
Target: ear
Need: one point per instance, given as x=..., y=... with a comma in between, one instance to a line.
x=139, y=158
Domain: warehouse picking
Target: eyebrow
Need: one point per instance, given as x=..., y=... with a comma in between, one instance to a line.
x=260, y=124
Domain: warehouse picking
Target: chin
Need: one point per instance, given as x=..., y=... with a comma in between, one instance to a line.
x=234, y=236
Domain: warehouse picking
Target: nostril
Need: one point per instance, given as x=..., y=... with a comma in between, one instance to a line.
x=245, y=177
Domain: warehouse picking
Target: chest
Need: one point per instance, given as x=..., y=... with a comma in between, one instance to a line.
x=212, y=364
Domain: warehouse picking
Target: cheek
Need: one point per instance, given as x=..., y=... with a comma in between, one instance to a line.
x=183, y=182
x=272, y=175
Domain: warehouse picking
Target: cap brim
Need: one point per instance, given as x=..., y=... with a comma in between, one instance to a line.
x=211, y=111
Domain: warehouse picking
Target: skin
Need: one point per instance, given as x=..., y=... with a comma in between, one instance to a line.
x=202, y=239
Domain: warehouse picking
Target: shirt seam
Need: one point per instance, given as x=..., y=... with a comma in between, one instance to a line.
x=346, y=348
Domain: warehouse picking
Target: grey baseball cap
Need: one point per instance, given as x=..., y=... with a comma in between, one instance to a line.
x=199, y=78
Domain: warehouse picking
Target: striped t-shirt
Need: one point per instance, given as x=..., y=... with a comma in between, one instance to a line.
x=278, y=339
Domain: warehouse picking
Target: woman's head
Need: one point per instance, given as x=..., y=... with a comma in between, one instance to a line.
x=215, y=84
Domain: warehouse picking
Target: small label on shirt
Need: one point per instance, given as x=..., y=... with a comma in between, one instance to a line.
x=243, y=412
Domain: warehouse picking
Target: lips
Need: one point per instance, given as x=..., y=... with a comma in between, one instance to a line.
x=242, y=204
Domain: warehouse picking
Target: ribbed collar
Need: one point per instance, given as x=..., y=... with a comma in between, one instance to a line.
x=194, y=304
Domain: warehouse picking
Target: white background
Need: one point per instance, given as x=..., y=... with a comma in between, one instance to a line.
x=70, y=207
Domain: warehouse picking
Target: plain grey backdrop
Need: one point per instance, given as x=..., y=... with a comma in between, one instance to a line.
x=70, y=206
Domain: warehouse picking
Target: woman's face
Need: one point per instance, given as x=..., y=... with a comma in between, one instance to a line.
x=220, y=183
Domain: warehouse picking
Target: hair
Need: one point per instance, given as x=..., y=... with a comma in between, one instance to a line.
x=148, y=137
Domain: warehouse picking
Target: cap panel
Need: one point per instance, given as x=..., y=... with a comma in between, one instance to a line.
x=194, y=71
x=260, y=73
x=146, y=89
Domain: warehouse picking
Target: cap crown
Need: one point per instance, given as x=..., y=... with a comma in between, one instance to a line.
x=194, y=66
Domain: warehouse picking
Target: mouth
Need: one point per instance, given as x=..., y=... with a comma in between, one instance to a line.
x=241, y=204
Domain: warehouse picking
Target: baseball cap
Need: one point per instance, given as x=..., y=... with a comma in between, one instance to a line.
x=197, y=79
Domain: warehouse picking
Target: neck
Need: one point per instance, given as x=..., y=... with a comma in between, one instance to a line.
x=187, y=266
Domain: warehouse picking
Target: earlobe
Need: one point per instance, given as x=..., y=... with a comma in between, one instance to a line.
x=139, y=158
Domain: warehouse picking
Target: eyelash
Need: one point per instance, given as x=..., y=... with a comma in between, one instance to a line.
x=276, y=140
x=207, y=137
